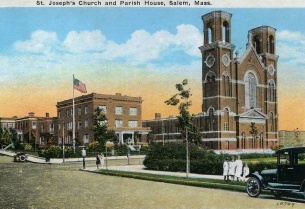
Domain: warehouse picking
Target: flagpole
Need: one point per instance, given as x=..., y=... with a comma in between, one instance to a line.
x=73, y=118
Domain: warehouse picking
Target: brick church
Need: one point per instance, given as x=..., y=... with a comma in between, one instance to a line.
x=239, y=91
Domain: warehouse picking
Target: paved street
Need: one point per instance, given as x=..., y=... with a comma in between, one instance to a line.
x=30, y=185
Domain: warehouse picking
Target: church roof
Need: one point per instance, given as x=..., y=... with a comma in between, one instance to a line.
x=254, y=114
x=250, y=49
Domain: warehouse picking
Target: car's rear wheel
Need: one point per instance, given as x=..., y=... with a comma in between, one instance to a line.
x=22, y=158
x=253, y=187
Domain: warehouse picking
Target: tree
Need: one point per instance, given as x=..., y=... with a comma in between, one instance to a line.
x=185, y=118
x=6, y=137
x=253, y=132
x=181, y=98
x=100, y=128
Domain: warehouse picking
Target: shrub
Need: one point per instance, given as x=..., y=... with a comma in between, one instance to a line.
x=261, y=165
x=94, y=146
x=172, y=157
x=28, y=147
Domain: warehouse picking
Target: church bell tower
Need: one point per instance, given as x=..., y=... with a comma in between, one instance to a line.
x=217, y=74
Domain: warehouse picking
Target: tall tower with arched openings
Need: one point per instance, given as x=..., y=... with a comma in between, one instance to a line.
x=239, y=91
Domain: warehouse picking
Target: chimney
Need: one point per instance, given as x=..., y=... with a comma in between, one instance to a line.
x=47, y=115
x=157, y=116
x=31, y=114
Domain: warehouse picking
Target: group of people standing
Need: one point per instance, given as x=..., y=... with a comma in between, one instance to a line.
x=235, y=168
x=100, y=160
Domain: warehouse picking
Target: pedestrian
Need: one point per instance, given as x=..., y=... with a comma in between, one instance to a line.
x=226, y=169
x=246, y=171
x=98, y=161
x=239, y=168
x=232, y=167
x=102, y=160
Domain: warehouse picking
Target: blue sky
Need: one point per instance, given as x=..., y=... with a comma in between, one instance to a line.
x=119, y=49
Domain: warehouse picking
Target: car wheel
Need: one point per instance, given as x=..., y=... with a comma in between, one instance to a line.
x=22, y=158
x=253, y=187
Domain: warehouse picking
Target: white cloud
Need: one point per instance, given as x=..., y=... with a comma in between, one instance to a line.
x=287, y=35
x=40, y=42
x=290, y=46
x=90, y=46
x=85, y=41
x=143, y=47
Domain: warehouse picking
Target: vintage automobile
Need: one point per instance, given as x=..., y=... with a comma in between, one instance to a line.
x=287, y=179
x=20, y=157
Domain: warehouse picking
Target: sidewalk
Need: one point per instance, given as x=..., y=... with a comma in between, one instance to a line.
x=141, y=169
x=36, y=159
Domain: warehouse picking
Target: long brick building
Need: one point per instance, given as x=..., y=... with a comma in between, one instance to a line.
x=123, y=113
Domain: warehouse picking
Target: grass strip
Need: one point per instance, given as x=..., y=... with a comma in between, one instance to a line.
x=198, y=182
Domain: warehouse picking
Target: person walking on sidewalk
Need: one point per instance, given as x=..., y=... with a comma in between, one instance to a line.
x=98, y=161
x=102, y=160
x=226, y=169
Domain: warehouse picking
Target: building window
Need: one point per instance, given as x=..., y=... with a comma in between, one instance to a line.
x=103, y=108
x=118, y=110
x=69, y=125
x=59, y=114
x=250, y=90
x=225, y=32
x=133, y=111
x=42, y=128
x=226, y=85
x=132, y=123
x=118, y=123
x=86, y=139
x=211, y=119
x=243, y=140
x=86, y=123
x=271, y=89
x=86, y=109
x=59, y=126
x=210, y=84
x=79, y=124
x=272, y=129
x=51, y=127
x=271, y=45
x=226, y=119
x=79, y=110
x=34, y=125
x=226, y=126
x=210, y=33
x=257, y=44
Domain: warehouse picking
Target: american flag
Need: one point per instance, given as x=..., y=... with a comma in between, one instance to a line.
x=78, y=85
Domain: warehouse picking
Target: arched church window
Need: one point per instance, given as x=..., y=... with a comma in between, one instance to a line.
x=243, y=140
x=272, y=129
x=250, y=90
x=271, y=44
x=210, y=33
x=226, y=85
x=209, y=86
x=271, y=91
x=225, y=32
x=257, y=44
x=211, y=119
x=261, y=138
x=226, y=119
